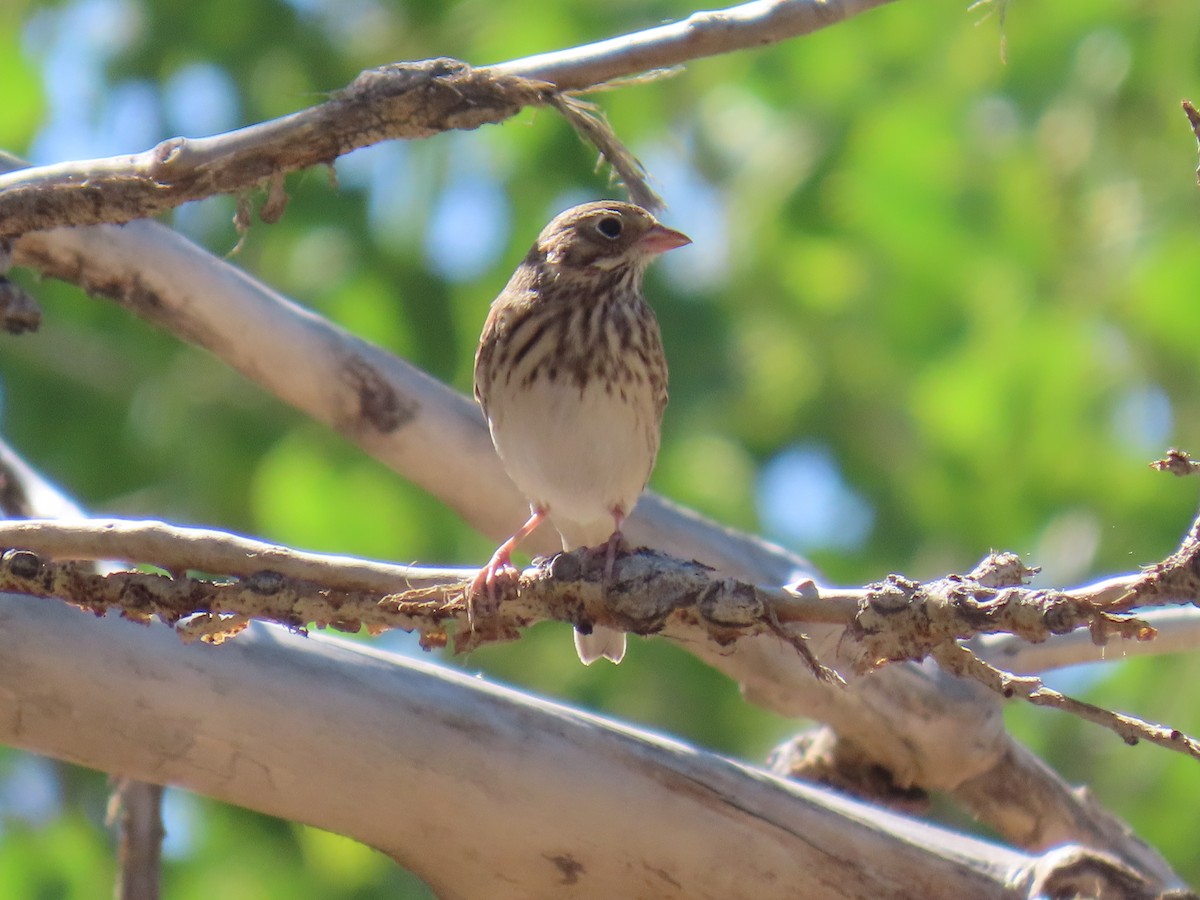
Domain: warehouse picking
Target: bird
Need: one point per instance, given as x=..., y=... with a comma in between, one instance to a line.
x=571, y=376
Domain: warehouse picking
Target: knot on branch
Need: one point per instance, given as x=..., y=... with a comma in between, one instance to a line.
x=822, y=756
x=1075, y=871
x=900, y=619
x=1178, y=462
x=646, y=587
x=650, y=590
x=435, y=95
x=1004, y=569
x=448, y=93
x=19, y=312
x=22, y=563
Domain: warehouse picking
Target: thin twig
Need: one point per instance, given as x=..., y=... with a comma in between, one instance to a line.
x=707, y=33
x=958, y=659
x=589, y=122
x=1178, y=462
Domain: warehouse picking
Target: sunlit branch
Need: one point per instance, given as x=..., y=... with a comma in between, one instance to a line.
x=403, y=101
x=649, y=593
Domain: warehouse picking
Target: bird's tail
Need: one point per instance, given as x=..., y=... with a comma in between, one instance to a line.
x=602, y=642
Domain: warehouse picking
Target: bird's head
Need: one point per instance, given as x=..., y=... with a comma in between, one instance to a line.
x=605, y=235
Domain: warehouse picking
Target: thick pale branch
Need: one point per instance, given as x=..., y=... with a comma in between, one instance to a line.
x=927, y=728
x=648, y=593
x=399, y=754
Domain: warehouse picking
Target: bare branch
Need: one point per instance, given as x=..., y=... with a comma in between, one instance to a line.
x=710, y=33
x=894, y=620
x=1193, y=116
x=1177, y=462
x=447, y=748
x=928, y=728
x=402, y=101
x=178, y=549
x=405, y=101
x=963, y=662
x=298, y=589
x=1177, y=630
x=649, y=593
x=135, y=808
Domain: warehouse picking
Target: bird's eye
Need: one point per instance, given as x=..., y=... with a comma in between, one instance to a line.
x=610, y=227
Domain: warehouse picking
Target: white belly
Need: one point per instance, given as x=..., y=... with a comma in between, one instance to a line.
x=578, y=456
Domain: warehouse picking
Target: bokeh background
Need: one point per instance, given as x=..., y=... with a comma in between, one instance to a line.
x=938, y=303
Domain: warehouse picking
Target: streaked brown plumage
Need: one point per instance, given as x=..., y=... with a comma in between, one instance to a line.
x=571, y=375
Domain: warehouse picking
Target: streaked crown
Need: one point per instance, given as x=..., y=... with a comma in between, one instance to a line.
x=604, y=235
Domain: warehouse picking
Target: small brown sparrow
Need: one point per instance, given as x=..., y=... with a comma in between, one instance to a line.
x=572, y=378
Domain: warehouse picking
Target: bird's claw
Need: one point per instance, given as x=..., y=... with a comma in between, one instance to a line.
x=483, y=595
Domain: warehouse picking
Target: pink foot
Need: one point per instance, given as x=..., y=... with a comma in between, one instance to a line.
x=485, y=585
x=499, y=568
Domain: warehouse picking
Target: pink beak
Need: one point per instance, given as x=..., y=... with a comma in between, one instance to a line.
x=660, y=239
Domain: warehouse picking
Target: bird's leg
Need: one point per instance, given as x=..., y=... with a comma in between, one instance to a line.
x=501, y=561
x=614, y=542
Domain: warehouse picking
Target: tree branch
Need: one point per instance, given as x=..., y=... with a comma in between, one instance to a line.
x=340, y=736
x=1193, y=116
x=923, y=726
x=1176, y=631
x=963, y=662
x=135, y=808
x=402, y=101
x=178, y=549
x=647, y=593
x=709, y=33
x=406, y=101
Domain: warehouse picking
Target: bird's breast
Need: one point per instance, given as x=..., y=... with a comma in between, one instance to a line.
x=578, y=450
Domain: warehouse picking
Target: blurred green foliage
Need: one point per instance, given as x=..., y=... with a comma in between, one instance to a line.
x=970, y=284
